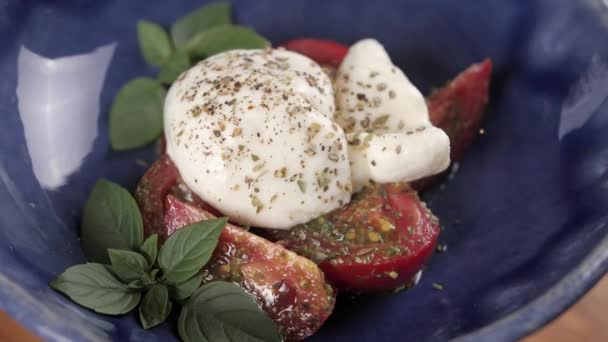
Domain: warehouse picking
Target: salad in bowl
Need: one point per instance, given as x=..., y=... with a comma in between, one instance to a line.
x=286, y=176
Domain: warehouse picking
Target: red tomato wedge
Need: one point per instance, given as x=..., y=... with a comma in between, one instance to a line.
x=161, y=179
x=151, y=192
x=458, y=107
x=291, y=289
x=377, y=242
x=324, y=52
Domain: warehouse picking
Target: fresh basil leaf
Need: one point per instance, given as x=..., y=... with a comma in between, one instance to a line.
x=188, y=249
x=94, y=287
x=137, y=284
x=224, y=38
x=148, y=280
x=222, y=311
x=150, y=249
x=136, y=116
x=128, y=265
x=154, y=42
x=155, y=306
x=183, y=291
x=202, y=19
x=175, y=65
x=153, y=273
x=111, y=219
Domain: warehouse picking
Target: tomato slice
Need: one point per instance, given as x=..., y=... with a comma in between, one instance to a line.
x=325, y=52
x=377, y=242
x=161, y=179
x=291, y=289
x=458, y=109
x=151, y=192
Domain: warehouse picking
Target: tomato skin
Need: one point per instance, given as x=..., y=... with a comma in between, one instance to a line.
x=403, y=229
x=151, y=192
x=291, y=289
x=324, y=52
x=457, y=108
x=161, y=179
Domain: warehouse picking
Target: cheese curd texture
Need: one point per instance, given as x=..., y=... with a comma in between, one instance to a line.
x=251, y=133
x=259, y=135
x=386, y=120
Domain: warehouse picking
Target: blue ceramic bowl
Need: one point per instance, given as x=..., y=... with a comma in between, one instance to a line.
x=525, y=217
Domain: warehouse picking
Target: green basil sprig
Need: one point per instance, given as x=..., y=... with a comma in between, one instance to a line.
x=139, y=273
x=136, y=114
x=117, y=288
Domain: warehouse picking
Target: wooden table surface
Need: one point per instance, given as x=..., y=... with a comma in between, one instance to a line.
x=586, y=321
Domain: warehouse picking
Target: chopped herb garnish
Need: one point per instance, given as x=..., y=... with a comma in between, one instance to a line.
x=302, y=186
x=437, y=286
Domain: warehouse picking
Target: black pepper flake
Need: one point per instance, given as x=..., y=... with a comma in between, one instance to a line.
x=373, y=163
x=217, y=132
x=361, y=97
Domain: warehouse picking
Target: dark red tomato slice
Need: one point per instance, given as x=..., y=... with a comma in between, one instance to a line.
x=458, y=109
x=161, y=179
x=377, y=242
x=324, y=52
x=152, y=191
x=291, y=289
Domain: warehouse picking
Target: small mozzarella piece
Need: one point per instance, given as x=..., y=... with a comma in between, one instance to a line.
x=251, y=133
x=386, y=119
x=373, y=95
x=397, y=157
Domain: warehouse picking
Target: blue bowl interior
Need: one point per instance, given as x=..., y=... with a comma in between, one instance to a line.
x=524, y=217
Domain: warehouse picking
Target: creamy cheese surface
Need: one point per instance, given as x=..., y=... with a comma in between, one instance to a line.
x=264, y=136
x=251, y=133
x=386, y=120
